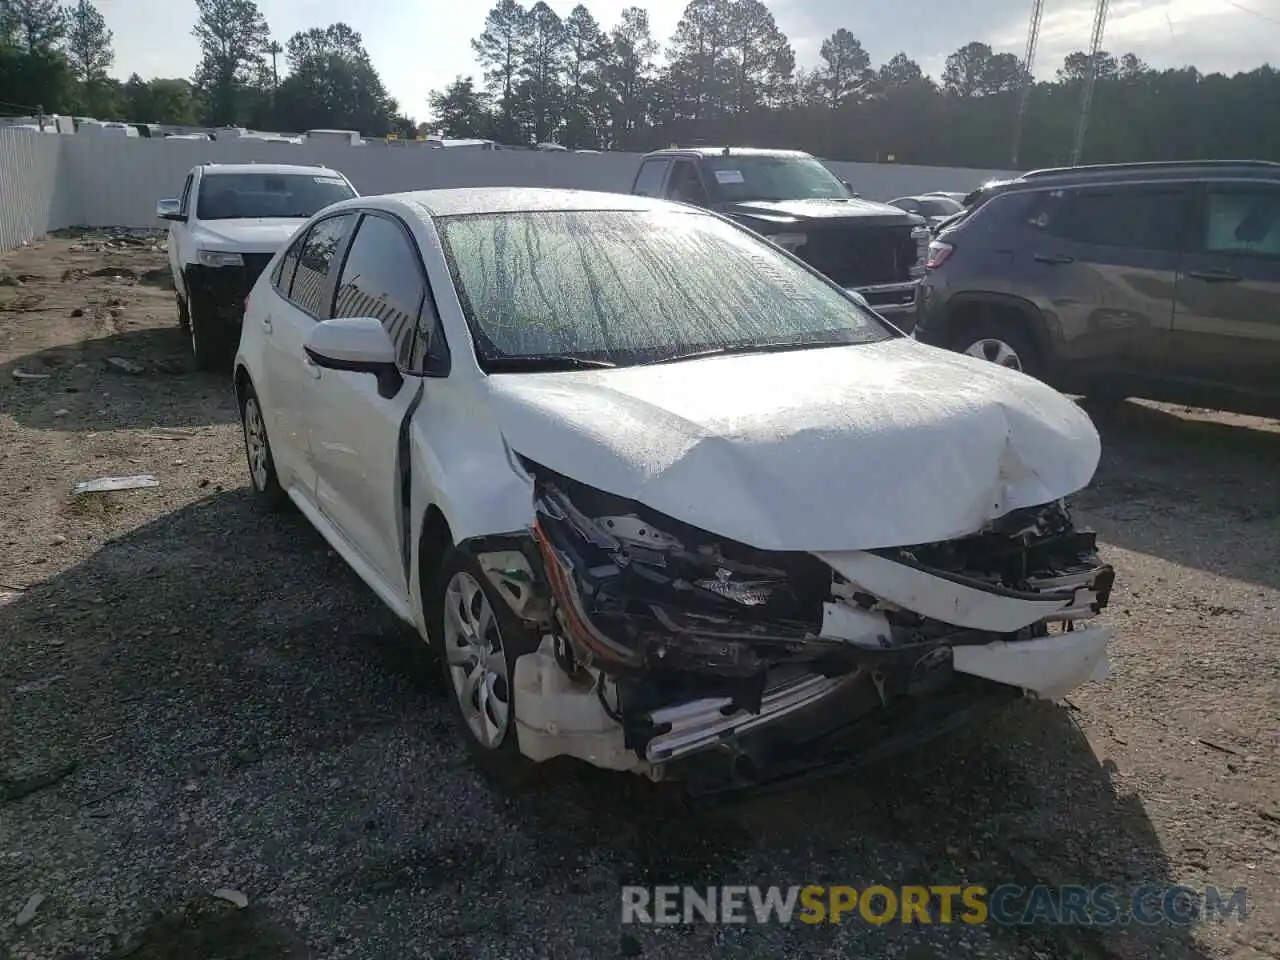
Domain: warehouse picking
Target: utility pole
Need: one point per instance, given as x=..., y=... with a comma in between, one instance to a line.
x=1086, y=97
x=275, y=50
x=1028, y=79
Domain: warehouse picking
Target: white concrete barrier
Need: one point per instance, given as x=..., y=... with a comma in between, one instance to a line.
x=50, y=181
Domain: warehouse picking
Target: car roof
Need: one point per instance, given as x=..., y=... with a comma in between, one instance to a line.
x=315, y=170
x=1131, y=172
x=482, y=200
x=727, y=152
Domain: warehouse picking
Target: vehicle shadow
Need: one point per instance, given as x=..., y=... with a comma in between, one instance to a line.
x=215, y=682
x=1169, y=484
x=126, y=380
x=1023, y=801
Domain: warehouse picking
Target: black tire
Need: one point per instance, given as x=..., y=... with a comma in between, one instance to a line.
x=1002, y=330
x=184, y=318
x=262, y=479
x=503, y=764
x=211, y=344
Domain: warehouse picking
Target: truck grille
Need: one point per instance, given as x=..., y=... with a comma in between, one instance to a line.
x=862, y=256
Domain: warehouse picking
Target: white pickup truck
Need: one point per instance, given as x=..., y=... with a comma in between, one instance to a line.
x=224, y=229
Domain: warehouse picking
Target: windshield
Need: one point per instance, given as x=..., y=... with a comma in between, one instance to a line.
x=733, y=179
x=233, y=196
x=629, y=287
x=938, y=206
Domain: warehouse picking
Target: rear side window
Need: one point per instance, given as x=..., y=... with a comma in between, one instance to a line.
x=310, y=284
x=1146, y=217
x=1242, y=220
x=382, y=278
x=649, y=179
x=283, y=277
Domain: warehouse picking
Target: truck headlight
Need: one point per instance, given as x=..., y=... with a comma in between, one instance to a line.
x=219, y=258
x=790, y=242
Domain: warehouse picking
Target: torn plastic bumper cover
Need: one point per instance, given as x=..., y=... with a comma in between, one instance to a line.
x=664, y=643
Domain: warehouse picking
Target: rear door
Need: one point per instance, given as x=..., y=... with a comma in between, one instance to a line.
x=1226, y=321
x=303, y=294
x=1103, y=262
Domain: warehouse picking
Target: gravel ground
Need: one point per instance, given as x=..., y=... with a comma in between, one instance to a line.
x=194, y=697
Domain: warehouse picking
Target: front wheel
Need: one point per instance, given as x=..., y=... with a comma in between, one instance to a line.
x=211, y=344
x=479, y=640
x=1001, y=342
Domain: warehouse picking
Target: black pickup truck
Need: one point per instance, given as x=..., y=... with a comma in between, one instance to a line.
x=790, y=197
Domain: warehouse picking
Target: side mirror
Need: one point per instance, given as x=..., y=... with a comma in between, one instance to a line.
x=170, y=210
x=356, y=345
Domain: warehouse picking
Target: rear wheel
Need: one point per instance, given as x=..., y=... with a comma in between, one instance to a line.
x=480, y=639
x=999, y=341
x=257, y=448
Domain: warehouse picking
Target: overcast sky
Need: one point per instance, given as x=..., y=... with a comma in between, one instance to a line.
x=418, y=45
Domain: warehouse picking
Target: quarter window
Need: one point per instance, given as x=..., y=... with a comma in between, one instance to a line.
x=1139, y=217
x=283, y=276
x=686, y=186
x=311, y=279
x=186, y=193
x=1242, y=220
x=382, y=278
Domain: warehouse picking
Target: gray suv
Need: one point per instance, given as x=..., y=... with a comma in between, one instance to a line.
x=1156, y=280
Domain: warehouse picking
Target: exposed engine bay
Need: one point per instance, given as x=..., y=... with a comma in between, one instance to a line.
x=672, y=652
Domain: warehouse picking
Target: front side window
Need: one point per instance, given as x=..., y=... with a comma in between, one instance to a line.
x=1136, y=217
x=1242, y=220
x=310, y=286
x=627, y=287
x=234, y=196
x=738, y=178
x=382, y=279
x=184, y=206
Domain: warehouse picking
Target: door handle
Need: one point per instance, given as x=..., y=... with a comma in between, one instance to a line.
x=1052, y=258
x=1215, y=276
x=266, y=324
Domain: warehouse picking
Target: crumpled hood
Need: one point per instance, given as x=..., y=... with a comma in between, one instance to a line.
x=261, y=235
x=810, y=210
x=844, y=448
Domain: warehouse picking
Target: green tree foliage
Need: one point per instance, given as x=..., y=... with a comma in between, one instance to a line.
x=462, y=111
x=233, y=39
x=332, y=84
x=89, y=54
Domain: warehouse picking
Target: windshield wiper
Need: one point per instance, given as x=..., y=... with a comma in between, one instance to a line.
x=543, y=361
x=779, y=347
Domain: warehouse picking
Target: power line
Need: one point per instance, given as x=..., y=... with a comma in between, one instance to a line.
x=1260, y=16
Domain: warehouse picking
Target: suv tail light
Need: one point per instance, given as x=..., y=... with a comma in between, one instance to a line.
x=938, y=254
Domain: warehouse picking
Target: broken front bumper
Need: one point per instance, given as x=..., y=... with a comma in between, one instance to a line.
x=663, y=648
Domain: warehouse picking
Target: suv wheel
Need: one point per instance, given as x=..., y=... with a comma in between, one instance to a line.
x=998, y=342
x=480, y=640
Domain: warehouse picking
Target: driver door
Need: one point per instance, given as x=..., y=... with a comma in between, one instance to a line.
x=358, y=437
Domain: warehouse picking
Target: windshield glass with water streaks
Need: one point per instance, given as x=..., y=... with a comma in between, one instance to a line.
x=628, y=287
x=236, y=196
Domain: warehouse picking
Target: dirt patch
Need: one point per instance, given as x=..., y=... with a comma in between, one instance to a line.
x=195, y=696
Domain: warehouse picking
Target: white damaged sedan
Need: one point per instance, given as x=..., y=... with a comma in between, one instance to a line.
x=660, y=496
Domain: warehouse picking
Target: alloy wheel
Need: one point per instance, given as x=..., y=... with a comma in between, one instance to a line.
x=477, y=660
x=996, y=351
x=255, y=444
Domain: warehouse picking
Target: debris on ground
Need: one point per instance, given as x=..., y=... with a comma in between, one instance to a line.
x=28, y=912
x=232, y=896
x=11, y=790
x=108, y=484
x=126, y=365
x=170, y=433
x=24, y=375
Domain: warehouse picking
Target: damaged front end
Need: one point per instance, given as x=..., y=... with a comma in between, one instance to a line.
x=673, y=653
